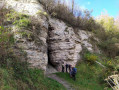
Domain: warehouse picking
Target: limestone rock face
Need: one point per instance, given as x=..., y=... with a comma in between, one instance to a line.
x=54, y=40
x=85, y=38
x=36, y=50
x=65, y=45
x=30, y=7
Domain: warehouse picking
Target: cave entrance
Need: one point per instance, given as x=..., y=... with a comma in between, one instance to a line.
x=49, y=58
x=50, y=67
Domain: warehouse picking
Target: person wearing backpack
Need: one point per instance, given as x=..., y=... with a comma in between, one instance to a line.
x=73, y=73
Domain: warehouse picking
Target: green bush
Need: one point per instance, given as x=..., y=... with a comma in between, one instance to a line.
x=22, y=22
x=6, y=42
x=108, y=36
x=90, y=57
x=18, y=19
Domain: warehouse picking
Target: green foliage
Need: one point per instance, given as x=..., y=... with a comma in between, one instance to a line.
x=111, y=65
x=27, y=34
x=109, y=35
x=88, y=77
x=6, y=36
x=18, y=19
x=90, y=57
x=15, y=75
x=32, y=80
x=109, y=47
x=22, y=22
x=92, y=76
x=6, y=42
x=14, y=71
x=3, y=12
x=107, y=22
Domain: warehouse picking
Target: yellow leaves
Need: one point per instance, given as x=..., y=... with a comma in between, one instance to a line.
x=107, y=22
x=109, y=62
x=42, y=13
x=90, y=57
x=1, y=27
x=45, y=13
x=39, y=12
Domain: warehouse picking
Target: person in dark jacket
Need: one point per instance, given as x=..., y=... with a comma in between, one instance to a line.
x=67, y=65
x=73, y=73
x=70, y=67
x=63, y=67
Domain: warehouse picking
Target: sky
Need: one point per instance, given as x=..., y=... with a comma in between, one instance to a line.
x=98, y=6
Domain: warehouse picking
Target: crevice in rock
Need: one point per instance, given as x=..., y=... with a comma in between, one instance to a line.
x=50, y=28
x=49, y=58
x=50, y=67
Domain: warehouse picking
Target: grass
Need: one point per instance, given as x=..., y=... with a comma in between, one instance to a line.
x=33, y=80
x=88, y=77
x=14, y=71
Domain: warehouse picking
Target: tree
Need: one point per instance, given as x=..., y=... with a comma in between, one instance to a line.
x=72, y=6
x=107, y=22
x=111, y=33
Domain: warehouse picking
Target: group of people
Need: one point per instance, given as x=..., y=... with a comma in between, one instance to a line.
x=69, y=69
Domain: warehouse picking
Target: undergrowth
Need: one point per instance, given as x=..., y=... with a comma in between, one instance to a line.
x=88, y=77
x=14, y=71
x=31, y=79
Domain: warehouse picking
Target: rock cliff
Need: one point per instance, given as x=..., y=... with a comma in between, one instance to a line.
x=59, y=42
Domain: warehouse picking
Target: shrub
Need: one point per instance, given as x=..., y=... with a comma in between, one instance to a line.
x=108, y=35
x=3, y=12
x=18, y=19
x=91, y=58
x=6, y=42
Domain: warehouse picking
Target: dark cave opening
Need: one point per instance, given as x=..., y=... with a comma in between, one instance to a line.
x=49, y=58
x=50, y=28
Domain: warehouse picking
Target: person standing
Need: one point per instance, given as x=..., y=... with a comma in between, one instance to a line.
x=62, y=66
x=67, y=65
x=70, y=67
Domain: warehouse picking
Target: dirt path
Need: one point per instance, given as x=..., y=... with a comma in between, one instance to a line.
x=60, y=80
